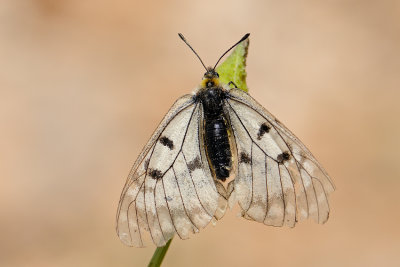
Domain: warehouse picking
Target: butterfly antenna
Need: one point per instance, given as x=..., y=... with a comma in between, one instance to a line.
x=241, y=40
x=183, y=39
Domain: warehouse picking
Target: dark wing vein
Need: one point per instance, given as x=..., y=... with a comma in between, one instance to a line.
x=283, y=130
x=326, y=197
x=145, y=210
x=183, y=202
x=294, y=190
x=315, y=178
x=194, y=186
x=288, y=147
x=129, y=182
x=155, y=207
x=180, y=150
x=291, y=152
x=252, y=178
x=137, y=218
x=169, y=211
x=266, y=182
x=145, y=151
x=183, y=141
x=283, y=196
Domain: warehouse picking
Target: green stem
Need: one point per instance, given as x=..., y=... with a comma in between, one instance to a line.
x=159, y=255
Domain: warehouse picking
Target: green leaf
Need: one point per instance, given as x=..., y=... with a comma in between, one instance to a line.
x=233, y=69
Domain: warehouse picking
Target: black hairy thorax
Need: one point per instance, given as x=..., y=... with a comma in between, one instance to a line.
x=215, y=126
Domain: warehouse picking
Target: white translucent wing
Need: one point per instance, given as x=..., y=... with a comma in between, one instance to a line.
x=279, y=181
x=170, y=188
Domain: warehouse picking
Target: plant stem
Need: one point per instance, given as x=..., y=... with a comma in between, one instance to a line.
x=159, y=255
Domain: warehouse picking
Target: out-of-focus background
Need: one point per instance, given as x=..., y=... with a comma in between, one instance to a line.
x=83, y=84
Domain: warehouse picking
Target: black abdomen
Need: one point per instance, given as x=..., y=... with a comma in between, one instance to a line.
x=215, y=128
x=218, y=148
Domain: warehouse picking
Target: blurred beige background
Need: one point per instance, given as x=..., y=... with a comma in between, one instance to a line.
x=84, y=83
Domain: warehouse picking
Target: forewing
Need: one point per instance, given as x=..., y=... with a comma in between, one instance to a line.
x=170, y=188
x=279, y=181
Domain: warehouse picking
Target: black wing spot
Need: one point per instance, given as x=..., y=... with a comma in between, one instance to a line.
x=154, y=173
x=244, y=158
x=194, y=164
x=283, y=157
x=264, y=128
x=167, y=142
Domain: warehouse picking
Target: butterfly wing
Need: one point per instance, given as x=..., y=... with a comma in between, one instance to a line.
x=279, y=181
x=170, y=188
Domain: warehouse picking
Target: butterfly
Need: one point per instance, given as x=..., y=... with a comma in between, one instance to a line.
x=214, y=148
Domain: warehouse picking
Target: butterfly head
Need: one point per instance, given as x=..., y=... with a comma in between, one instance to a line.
x=210, y=78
